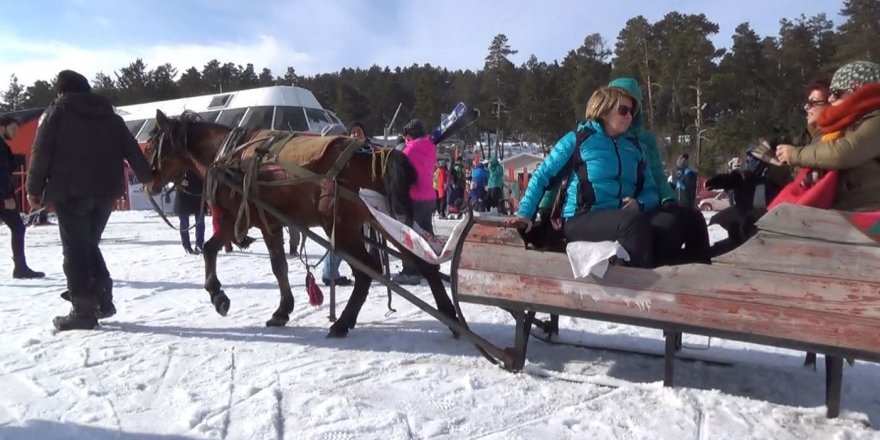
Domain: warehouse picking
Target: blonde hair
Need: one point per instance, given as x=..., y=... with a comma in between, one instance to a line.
x=606, y=99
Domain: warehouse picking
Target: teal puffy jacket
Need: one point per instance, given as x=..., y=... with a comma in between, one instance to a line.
x=613, y=167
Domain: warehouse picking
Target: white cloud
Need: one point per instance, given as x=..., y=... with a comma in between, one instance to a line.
x=43, y=60
x=316, y=36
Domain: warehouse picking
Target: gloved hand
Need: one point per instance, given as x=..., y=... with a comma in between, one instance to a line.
x=669, y=205
x=725, y=181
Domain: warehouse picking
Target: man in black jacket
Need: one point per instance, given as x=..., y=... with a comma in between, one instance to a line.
x=77, y=163
x=8, y=212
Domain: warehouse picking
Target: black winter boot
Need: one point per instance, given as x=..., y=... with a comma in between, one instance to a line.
x=24, y=273
x=82, y=313
x=104, y=290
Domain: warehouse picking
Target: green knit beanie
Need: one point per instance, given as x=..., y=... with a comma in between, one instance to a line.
x=854, y=75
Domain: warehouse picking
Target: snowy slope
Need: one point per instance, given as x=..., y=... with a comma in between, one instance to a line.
x=168, y=367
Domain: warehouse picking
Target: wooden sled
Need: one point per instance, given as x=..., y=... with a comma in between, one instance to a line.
x=809, y=280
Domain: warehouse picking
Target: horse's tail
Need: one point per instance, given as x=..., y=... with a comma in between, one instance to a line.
x=399, y=177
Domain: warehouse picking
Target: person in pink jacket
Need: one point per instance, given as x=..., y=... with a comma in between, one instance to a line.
x=422, y=153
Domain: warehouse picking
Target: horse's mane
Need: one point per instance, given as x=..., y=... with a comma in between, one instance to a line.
x=400, y=177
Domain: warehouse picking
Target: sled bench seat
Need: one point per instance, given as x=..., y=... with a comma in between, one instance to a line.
x=804, y=270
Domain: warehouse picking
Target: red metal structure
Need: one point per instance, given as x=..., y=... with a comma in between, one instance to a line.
x=21, y=146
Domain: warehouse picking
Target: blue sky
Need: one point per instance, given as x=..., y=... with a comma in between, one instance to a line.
x=39, y=38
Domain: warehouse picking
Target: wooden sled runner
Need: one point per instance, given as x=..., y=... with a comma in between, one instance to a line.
x=809, y=280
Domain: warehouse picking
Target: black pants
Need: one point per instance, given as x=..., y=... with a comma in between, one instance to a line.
x=494, y=197
x=695, y=236
x=643, y=235
x=81, y=223
x=441, y=205
x=16, y=228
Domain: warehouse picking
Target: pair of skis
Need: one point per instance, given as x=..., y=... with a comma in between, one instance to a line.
x=460, y=117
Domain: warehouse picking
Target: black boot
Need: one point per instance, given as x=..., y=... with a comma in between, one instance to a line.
x=25, y=273
x=104, y=290
x=82, y=313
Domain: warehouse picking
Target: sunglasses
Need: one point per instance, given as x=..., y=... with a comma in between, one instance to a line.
x=624, y=110
x=815, y=103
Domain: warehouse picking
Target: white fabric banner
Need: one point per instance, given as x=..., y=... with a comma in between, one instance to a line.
x=418, y=241
x=589, y=257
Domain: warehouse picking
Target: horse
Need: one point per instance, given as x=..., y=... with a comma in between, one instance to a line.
x=186, y=142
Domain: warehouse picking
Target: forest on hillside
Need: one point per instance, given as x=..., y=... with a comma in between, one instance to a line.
x=698, y=98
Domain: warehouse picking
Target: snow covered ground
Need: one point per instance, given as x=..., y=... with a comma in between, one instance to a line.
x=168, y=367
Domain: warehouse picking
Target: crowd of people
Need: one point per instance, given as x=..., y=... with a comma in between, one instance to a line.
x=613, y=186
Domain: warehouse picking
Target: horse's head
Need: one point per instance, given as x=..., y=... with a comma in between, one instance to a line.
x=167, y=151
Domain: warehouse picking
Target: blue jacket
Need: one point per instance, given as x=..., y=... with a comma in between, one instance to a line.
x=480, y=177
x=612, y=168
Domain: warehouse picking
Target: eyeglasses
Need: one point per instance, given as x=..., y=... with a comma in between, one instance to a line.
x=838, y=93
x=815, y=103
x=624, y=110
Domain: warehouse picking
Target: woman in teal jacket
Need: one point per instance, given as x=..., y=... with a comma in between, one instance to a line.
x=496, y=184
x=689, y=222
x=611, y=194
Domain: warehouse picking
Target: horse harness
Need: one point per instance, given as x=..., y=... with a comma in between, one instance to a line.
x=229, y=163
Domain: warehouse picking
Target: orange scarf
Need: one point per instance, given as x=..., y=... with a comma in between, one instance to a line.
x=861, y=102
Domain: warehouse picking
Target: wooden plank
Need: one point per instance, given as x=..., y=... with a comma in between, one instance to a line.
x=772, y=252
x=496, y=235
x=845, y=297
x=497, y=220
x=815, y=223
x=725, y=314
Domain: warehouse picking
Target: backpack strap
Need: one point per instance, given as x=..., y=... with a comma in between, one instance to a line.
x=586, y=195
x=640, y=170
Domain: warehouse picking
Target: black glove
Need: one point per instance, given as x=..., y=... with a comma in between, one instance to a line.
x=669, y=205
x=728, y=181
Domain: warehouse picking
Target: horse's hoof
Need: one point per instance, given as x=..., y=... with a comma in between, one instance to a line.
x=337, y=332
x=277, y=321
x=221, y=303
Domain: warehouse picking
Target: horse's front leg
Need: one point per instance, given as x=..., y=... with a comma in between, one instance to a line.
x=274, y=239
x=212, y=283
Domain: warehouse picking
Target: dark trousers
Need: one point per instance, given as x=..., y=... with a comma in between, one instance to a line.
x=694, y=234
x=16, y=228
x=200, y=230
x=81, y=223
x=494, y=197
x=441, y=204
x=295, y=238
x=629, y=227
x=650, y=239
x=423, y=212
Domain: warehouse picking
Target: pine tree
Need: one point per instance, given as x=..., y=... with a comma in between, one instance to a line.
x=13, y=97
x=636, y=54
x=266, y=79
x=857, y=37
x=40, y=94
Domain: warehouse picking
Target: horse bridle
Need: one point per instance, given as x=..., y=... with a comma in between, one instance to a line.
x=155, y=160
